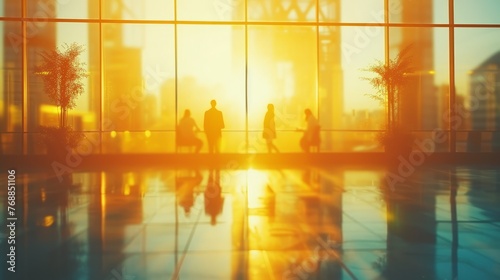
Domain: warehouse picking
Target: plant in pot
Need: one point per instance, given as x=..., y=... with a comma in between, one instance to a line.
x=389, y=81
x=61, y=73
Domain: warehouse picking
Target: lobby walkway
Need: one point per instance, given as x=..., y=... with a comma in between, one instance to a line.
x=439, y=222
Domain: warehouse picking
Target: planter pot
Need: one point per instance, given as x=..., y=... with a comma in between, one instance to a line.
x=397, y=144
x=59, y=141
x=56, y=151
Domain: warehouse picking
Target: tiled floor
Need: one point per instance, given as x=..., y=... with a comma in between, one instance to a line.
x=327, y=223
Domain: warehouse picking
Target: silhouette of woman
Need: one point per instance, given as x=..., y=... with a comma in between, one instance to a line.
x=311, y=133
x=269, y=132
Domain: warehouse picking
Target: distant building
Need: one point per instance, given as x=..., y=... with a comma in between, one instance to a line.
x=295, y=74
x=444, y=122
x=123, y=90
x=484, y=94
x=419, y=111
x=12, y=98
x=122, y=99
x=419, y=103
x=484, y=101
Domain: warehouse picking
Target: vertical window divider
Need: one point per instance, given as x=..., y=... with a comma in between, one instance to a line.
x=451, y=43
x=24, y=69
x=176, y=98
x=386, y=47
x=101, y=77
x=318, y=57
x=247, y=141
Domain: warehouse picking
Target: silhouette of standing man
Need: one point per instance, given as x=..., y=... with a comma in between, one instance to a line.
x=214, y=200
x=213, y=123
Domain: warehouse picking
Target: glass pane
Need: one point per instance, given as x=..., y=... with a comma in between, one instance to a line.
x=428, y=142
x=287, y=141
x=11, y=111
x=139, y=77
x=41, y=109
x=478, y=141
x=214, y=72
x=132, y=9
x=62, y=9
x=232, y=142
x=11, y=77
x=282, y=70
x=424, y=97
x=477, y=83
x=281, y=10
x=36, y=145
x=213, y=10
x=344, y=98
x=11, y=143
x=45, y=40
x=344, y=103
x=479, y=11
x=138, y=142
x=350, y=141
x=10, y=8
x=349, y=11
x=89, y=144
x=422, y=11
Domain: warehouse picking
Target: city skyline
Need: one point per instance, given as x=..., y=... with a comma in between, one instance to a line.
x=69, y=33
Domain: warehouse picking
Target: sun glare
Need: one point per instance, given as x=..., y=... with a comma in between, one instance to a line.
x=257, y=186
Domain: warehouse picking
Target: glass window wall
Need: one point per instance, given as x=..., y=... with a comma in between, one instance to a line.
x=147, y=62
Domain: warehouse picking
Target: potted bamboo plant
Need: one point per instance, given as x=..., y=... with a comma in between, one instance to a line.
x=389, y=82
x=62, y=74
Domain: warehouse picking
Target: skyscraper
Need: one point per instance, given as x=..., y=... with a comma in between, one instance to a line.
x=303, y=63
x=419, y=107
x=122, y=71
x=484, y=98
x=419, y=101
x=485, y=94
x=39, y=37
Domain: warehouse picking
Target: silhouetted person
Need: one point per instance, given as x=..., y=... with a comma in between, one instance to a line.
x=213, y=196
x=213, y=124
x=187, y=129
x=311, y=133
x=269, y=132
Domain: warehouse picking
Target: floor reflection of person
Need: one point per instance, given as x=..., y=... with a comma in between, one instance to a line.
x=213, y=196
x=269, y=133
x=185, y=186
x=311, y=133
x=187, y=129
x=213, y=123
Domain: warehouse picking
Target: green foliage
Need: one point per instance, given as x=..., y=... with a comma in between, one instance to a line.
x=388, y=82
x=62, y=73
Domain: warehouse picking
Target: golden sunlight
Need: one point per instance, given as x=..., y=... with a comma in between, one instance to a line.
x=257, y=186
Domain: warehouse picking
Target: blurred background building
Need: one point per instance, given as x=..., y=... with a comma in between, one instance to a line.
x=484, y=101
x=420, y=100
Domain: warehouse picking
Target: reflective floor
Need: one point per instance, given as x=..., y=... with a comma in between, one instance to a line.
x=326, y=223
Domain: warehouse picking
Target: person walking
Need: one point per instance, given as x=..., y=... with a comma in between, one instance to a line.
x=269, y=133
x=311, y=133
